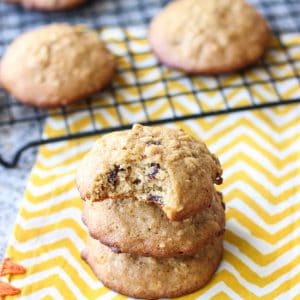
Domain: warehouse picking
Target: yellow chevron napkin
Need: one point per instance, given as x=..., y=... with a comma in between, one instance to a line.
x=259, y=151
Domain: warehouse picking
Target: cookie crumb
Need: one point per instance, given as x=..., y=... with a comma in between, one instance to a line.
x=155, y=198
x=157, y=143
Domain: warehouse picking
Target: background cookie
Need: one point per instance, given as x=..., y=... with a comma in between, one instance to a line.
x=200, y=36
x=142, y=228
x=48, y=5
x=56, y=65
x=147, y=277
x=161, y=165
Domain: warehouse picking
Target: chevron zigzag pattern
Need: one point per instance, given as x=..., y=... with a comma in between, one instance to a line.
x=260, y=155
x=259, y=151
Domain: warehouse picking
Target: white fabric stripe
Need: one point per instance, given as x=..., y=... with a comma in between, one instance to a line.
x=259, y=291
x=51, y=219
x=218, y=288
x=67, y=255
x=261, y=245
x=261, y=159
x=265, y=270
x=57, y=271
x=290, y=294
x=257, y=196
x=61, y=198
x=48, y=238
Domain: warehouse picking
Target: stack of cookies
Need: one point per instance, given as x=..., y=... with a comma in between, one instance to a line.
x=155, y=220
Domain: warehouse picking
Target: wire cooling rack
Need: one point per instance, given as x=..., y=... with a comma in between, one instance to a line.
x=280, y=68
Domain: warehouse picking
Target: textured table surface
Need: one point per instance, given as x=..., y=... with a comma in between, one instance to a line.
x=12, y=186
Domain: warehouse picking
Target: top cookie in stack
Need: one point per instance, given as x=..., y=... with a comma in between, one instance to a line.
x=161, y=165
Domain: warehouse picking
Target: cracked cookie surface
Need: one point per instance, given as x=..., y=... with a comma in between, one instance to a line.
x=160, y=165
x=152, y=278
x=200, y=36
x=56, y=65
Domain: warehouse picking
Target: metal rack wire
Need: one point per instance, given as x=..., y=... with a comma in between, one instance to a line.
x=281, y=65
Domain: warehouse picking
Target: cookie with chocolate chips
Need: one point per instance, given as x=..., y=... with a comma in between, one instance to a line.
x=164, y=166
x=141, y=228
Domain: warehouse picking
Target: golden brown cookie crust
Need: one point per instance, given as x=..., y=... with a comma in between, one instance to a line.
x=56, y=65
x=211, y=37
x=151, y=278
x=162, y=165
x=143, y=229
